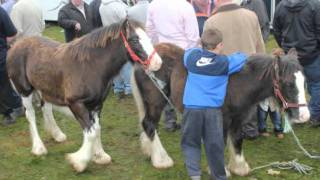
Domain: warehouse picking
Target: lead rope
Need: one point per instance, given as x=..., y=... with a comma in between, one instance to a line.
x=160, y=85
x=288, y=128
x=301, y=168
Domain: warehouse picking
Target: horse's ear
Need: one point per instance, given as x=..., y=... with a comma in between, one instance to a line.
x=293, y=52
x=126, y=27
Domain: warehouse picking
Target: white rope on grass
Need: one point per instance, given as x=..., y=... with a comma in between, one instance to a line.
x=294, y=165
x=288, y=128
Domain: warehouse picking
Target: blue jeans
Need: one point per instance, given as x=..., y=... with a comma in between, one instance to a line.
x=312, y=73
x=274, y=116
x=122, y=81
x=205, y=124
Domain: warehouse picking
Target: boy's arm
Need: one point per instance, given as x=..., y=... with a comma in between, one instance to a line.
x=236, y=62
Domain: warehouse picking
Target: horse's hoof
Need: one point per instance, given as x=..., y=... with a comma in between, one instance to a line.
x=38, y=151
x=78, y=165
x=242, y=169
x=102, y=159
x=162, y=162
x=60, y=138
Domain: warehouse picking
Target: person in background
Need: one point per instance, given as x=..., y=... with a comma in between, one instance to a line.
x=260, y=9
x=268, y=106
x=10, y=102
x=7, y=5
x=241, y=33
x=202, y=9
x=75, y=18
x=96, y=18
x=296, y=25
x=204, y=93
x=173, y=22
x=138, y=12
x=115, y=11
x=27, y=17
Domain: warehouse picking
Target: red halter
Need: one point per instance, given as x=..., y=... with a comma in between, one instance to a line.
x=277, y=91
x=134, y=56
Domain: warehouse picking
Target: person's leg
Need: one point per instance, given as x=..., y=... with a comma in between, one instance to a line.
x=262, y=117
x=170, y=118
x=277, y=122
x=191, y=140
x=214, y=143
x=11, y=106
x=118, y=87
x=126, y=74
x=312, y=74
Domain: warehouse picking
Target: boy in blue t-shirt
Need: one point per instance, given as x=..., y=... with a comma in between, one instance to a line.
x=204, y=94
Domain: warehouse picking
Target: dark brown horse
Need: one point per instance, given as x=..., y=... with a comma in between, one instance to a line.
x=76, y=75
x=254, y=83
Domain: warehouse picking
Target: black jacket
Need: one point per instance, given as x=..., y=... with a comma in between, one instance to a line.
x=96, y=18
x=68, y=17
x=297, y=24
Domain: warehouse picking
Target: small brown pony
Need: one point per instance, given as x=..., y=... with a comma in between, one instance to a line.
x=76, y=75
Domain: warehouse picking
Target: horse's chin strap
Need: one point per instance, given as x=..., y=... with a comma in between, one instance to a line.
x=134, y=56
x=277, y=91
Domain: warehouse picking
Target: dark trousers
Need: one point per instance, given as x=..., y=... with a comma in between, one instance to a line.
x=312, y=73
x=9, y=99
x=205, y=124
x=275, y=117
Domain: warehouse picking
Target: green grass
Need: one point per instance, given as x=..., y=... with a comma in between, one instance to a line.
x=120, y=137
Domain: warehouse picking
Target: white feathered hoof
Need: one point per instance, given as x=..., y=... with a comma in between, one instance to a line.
x=39, y=151
x=240, y=169
x=102, y=158
x=60, y=138
x=145, y=144
x=77, y=164
x=162, y=162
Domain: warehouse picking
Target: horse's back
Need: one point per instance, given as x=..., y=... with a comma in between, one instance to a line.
x=26, y=53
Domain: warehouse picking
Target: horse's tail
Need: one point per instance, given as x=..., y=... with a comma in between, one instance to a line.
x=16, y=67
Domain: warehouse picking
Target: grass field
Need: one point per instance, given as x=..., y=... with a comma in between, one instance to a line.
x=120, y=137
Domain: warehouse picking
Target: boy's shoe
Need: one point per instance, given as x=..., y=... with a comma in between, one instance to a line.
x=265, y=134
x=280, y=135
x=195, y=177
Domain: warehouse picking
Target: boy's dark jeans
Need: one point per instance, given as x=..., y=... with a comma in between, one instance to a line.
x=205, y=124
x=274, y=116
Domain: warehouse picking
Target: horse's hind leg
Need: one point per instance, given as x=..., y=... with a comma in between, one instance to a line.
x=50, y=124
x=150, y=141
x=99, y=155
x=38, y=147
x=237, y=163
x=81, y=158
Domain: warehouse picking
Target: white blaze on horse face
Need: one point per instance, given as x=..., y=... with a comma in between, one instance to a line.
x=145, y=41
x=304, y=113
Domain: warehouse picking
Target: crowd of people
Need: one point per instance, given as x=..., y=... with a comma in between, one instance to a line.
x=218, y=34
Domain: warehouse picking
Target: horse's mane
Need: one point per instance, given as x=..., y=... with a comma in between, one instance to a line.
x=288, y=64
x=100, y=38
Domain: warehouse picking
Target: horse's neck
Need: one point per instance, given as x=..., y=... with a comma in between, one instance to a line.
x=248, y=88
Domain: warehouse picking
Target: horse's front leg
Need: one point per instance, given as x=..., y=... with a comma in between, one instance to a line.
x=38, y=147
x=99, y=155
x=237, y=163
x=80, y=159
x=149, y=119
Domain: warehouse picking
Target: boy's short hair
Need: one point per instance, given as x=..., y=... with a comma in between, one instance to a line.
x=211, y=38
